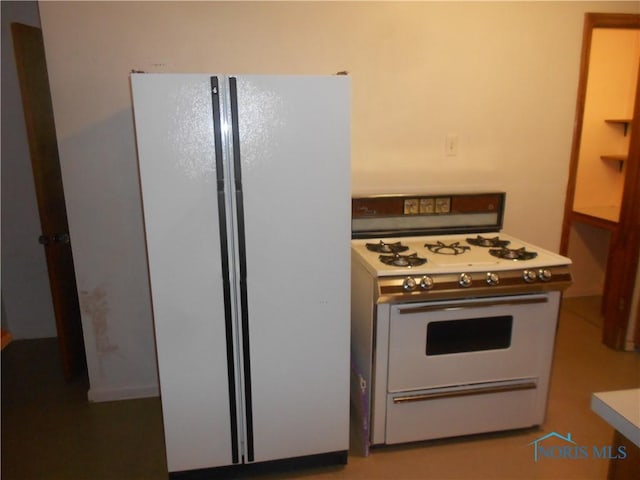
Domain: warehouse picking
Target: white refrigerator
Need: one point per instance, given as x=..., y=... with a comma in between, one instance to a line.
x=246, y=194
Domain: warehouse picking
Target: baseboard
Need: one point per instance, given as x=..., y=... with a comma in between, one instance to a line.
x=124, y=393
x=284, y=466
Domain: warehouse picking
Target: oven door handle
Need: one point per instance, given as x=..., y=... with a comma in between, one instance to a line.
x=474, y=304
x=463, y=393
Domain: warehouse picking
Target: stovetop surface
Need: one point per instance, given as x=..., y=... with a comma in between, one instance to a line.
x=473, y=259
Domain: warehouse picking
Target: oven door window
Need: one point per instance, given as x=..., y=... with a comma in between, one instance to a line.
x=469, y=335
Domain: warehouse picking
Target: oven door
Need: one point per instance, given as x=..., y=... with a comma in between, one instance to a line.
x=467, y=341
x=469, y=366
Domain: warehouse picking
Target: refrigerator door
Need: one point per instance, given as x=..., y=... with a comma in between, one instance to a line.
x=174, y=128
x=294, y=142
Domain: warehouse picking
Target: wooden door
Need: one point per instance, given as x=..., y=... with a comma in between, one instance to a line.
x=41, y=133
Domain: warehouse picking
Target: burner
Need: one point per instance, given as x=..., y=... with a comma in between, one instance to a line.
x=442, y=249
x=398, y=260
x=383, y=247
x=481, y=241
x=512, y=254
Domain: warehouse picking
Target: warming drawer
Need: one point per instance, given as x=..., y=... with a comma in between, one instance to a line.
x=430, y=414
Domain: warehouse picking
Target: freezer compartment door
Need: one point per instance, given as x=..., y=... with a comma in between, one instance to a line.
x=294, y=137
x=174, y=129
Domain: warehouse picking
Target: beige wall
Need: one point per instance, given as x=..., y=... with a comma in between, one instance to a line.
x=502, y=76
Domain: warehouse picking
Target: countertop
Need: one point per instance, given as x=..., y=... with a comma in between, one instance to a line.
x=621, y=410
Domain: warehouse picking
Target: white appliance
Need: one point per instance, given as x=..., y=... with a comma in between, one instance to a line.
x=453, y=322
x=246, y=192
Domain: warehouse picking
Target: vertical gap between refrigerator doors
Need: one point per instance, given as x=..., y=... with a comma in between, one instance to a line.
x=242, y=251
x=224, y=256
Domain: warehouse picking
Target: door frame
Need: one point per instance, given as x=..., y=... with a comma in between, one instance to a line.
x=624, y=253
x=624, y=245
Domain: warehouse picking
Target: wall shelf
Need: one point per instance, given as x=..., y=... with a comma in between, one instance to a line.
x=615, y=158
x=605, y=217
x=618, y=158
x=620, y=121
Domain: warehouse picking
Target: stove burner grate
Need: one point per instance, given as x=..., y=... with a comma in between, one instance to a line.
x=513, y=254
x=444, y=249
x=397, y=260
x=383, y=247
x=481, y=241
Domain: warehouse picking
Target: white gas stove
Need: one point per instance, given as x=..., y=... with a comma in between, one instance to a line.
x=445, y=266
x=453, y=321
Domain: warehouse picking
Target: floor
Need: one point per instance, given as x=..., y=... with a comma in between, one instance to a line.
x=49, y=431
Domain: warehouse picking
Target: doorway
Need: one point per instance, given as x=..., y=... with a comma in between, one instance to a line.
x=38, y=112
x=601, y=227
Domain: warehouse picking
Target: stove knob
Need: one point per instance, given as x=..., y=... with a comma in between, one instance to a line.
x=529, y=276
x=544, y=274
x=492, y=278
x=426, y=283
x=465, y=280
x=409, y=284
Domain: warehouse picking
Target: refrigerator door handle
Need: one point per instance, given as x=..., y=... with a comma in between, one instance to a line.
x=224, y=256
x=242, y=253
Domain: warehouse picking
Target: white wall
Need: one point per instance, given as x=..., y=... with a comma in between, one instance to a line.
x=589, y=250
x=28, y=310
x=502, y=76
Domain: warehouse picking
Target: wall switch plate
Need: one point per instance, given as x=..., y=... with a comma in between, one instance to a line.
x=451, y=145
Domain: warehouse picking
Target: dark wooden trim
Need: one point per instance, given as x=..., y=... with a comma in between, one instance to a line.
x=578, y=217
x=636, y=335
x=627, y=467
x=577, y=133
x=612, y=20
x=624, y=251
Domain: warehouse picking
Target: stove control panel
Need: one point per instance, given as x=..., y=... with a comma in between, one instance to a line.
x=409, y=284
x=544, y=274
x=426, y=283
x=425, y=214
x=410, y=205
x=436, y=286
x=465, y=280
